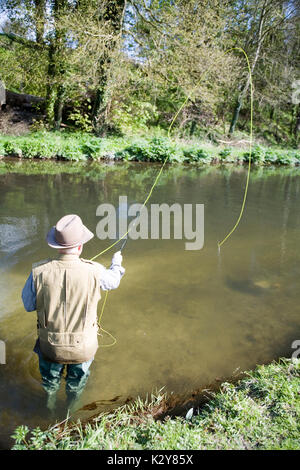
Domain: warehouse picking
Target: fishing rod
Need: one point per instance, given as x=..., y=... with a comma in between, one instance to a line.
x=123, y=244
x=126, y=239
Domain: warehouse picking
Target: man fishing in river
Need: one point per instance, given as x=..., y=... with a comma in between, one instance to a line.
x=65, y=292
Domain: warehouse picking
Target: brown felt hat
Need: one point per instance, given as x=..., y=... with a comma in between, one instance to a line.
x=69, y=232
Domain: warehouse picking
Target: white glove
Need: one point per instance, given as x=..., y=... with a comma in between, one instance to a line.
x=117, y=259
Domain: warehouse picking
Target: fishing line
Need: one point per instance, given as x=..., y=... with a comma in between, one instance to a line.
x=102, y=329
x=122, y=247
x=250, y=151
x=251, y=136
x=189, y=97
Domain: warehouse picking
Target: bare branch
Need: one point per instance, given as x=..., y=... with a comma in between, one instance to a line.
x=25, y=42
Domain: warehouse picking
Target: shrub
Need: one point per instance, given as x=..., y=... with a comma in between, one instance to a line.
x=195, y=154
x=29, y=147
x=271, y=156
x=72, y=151
x=257, y=155
x=285, y=159
x=134, y=117
x=82, y=118
x=157, y=150
x=35, y=148
x=11, y=148
x=282, y=157
x=226, y=152
x=92, y=148
x=296, y=155
x=226, y=155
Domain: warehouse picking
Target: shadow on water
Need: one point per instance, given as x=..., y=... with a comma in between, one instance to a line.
x=247, y=286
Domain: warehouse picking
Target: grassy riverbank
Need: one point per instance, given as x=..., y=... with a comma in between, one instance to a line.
x=261, y=411
x=79, y=146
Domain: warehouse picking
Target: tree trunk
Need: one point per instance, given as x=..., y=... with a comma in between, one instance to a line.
x=193, y=128
x=40, y=20
x=240, y=99
x=55, y=87
x=51, y=86
x=59, y=106
x=114, y=14
x=235, y=116
x=101, y=100
x=297, y=125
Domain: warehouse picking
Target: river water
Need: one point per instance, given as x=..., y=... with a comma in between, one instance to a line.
x=183, y=319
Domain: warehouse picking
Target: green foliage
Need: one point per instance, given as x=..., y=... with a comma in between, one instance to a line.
x=226, y=152
x=261, y=411
x=36, y=148
x=257, y=155
x=135, y=116
x=287, y=158
x=11, y=148
x=39, y=125
x=77, y=146
x=229, y=155
x=92, y=148
x=196, y=154
x=261, y=155
x=172, y=50
x=271, y=156
x=23, y=69
x=82, y=119
x=282, y=157
x=157, y=150
x=46, y=145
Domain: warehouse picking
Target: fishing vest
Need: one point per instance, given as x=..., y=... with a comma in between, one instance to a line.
x=67, y=294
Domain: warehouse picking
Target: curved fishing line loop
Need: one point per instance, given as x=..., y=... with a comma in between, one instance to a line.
x=161, y=170
x=102, y=329
x=251, y=135
x=250, y=152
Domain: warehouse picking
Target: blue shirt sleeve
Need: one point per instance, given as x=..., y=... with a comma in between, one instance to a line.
x=29, y=294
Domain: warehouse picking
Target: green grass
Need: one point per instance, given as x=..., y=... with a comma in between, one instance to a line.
x=261, y=411
x=79, y=146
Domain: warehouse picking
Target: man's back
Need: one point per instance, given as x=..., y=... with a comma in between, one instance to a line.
x=67, y=294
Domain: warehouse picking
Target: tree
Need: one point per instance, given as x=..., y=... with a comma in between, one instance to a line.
x=112, y=15
x=181, y=47
x=63, y=31
x=256, y=22
x=57, y=64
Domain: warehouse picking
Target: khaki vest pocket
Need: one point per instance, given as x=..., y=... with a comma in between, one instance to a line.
x=66, y=339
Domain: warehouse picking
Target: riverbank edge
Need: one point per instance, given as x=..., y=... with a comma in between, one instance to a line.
x=259, y=411
x=78, y=146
